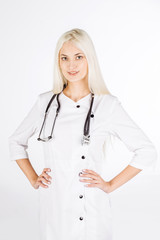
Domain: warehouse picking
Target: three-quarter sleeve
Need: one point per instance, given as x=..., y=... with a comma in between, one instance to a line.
x=124, y=128
x=18, y=141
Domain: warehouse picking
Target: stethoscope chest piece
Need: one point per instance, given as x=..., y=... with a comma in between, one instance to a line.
x=85, y=140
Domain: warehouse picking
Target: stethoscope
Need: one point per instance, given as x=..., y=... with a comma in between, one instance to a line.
x=86, y=136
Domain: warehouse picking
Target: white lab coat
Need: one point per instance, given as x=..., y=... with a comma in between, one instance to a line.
x=68, y=209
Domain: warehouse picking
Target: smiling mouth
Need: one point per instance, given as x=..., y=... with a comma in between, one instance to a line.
x=73, y=73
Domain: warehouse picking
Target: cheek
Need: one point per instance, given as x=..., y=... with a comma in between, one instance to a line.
x=63, y=66
x=83, y=66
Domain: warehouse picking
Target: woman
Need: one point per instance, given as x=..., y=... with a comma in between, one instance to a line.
x=74, y=203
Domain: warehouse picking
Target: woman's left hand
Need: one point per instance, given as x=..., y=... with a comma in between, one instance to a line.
x=95, y=181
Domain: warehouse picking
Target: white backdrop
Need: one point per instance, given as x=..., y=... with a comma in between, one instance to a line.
x=126, y=37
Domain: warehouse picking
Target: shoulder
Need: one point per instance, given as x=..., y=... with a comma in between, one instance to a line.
x=44, y=96
x=108, y=98
x=107, y=101
x=43, y=99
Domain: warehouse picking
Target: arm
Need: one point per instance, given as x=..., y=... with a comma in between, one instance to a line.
x=18, y=141
x=145, y=155
x=27, y=169
x=123, y=177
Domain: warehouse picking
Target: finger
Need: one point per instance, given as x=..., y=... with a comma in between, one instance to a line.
x=89, y=175
x=90, y=185
x=46, y=170
x=90, y=171
x=40, y=183
x=46, y=176
x=41, y=178
x=43, y=185
x=45, y=180
x=89, y=181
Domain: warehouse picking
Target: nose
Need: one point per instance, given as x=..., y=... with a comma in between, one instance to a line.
x=72, y=65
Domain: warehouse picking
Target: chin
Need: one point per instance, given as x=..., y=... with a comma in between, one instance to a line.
x=73, y=79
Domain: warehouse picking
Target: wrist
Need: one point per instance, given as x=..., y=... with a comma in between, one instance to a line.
x=107, y=188
x=110, y=187
x=33, y=180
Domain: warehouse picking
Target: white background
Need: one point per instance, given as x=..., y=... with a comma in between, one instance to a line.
x=126, y=37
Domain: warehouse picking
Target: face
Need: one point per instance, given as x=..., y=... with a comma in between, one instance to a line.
x=73, y=62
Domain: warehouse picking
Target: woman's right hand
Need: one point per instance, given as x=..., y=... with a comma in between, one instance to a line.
x=43, y=177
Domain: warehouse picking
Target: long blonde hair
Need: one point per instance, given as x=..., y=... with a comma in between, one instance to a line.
x=81, y=40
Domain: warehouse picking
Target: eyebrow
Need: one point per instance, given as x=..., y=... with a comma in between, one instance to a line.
x=74, y=54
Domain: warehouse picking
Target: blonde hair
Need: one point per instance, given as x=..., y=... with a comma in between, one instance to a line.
x=96, y=83
x=82, y=41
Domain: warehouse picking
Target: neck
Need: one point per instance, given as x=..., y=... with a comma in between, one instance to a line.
x=76, y=90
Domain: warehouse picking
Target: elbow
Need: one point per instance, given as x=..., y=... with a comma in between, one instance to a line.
x=145, y=158
x=154, y=154
x=152, y=151
x=10, y=140
x=17, y=149
x=152, y=157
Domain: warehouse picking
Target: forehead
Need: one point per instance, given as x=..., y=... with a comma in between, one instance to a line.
x=69, y=47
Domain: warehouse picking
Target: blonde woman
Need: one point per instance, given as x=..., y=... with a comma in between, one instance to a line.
x=72, y=122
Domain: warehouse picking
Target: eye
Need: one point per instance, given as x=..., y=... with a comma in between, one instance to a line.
x=80, y=56
x=62, y=57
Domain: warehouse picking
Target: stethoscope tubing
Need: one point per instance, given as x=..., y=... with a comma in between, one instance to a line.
x=86, y=130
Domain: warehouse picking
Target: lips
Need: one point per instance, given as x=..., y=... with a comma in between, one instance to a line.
x=73, y=72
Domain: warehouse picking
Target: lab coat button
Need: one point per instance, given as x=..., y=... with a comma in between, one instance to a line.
x=78, y=106
x=92, y=115
x=81, y=218
x=80, y=196
x=83, y=157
